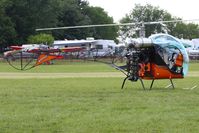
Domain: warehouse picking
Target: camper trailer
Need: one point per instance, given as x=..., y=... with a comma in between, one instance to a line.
x=192, y=47
x=98, y=47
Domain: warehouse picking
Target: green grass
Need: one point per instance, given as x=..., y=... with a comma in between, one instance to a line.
x=194, y=66
x=96, y=104
x=65, y=67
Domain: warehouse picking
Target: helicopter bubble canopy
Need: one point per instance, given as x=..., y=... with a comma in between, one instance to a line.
x=171, y=45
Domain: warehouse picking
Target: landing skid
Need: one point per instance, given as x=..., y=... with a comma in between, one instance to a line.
x=142, y=83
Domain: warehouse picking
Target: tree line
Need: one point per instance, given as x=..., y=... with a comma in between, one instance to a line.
x=149, y=13
x=19, y=19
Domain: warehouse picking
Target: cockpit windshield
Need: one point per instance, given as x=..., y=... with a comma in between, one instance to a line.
x=170, y=47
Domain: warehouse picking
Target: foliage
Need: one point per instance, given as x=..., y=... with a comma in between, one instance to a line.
x=82, y=14
x=96, y=105
x=20, y=18
x=188, y=31
x=7, y=30
x=99, y=16
x=72, y=14
x=149, y=13
x=27, y=15
x=41, y=39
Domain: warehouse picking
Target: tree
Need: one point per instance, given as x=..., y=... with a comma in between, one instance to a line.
x=41, y=39
x=7, y=31
x=19, y=19
x=7, y=27
x=188, y=31
x=147, y=13
x=27, y=15
x=71, y=14
x=80, y=13
x=99, y=16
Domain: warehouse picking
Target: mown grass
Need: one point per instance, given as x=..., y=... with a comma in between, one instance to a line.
x=96, y=104
x=63, y=67
x=74, y=66
x=194, y=66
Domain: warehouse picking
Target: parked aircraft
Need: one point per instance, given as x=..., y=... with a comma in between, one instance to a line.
x=161, y=56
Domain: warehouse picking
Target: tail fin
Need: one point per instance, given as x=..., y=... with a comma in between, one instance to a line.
x=46, y=58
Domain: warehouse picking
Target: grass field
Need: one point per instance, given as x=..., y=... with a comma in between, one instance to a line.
x=95, y=104
x=63, y=67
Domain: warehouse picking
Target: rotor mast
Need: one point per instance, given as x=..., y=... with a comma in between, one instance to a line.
x=142, y=30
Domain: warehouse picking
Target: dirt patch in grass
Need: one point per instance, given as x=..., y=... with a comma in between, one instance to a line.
x=70, y=75
x=59, y=75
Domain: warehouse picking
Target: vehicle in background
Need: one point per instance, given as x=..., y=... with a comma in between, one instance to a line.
x=192, y=47
x=92, y=47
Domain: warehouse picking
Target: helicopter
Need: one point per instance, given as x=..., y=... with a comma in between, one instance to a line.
x=160, y=56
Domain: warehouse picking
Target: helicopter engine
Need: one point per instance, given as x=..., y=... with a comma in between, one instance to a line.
x=160, y=56
x=139, y=54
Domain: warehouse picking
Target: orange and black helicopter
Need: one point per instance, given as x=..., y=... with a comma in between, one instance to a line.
x=160, y=56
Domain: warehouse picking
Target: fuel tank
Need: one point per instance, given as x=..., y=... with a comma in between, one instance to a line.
x=140, y=43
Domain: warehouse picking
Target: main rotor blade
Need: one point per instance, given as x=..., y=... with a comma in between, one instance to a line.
x=170, y=21
x=116, y=24
x=85, y=26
